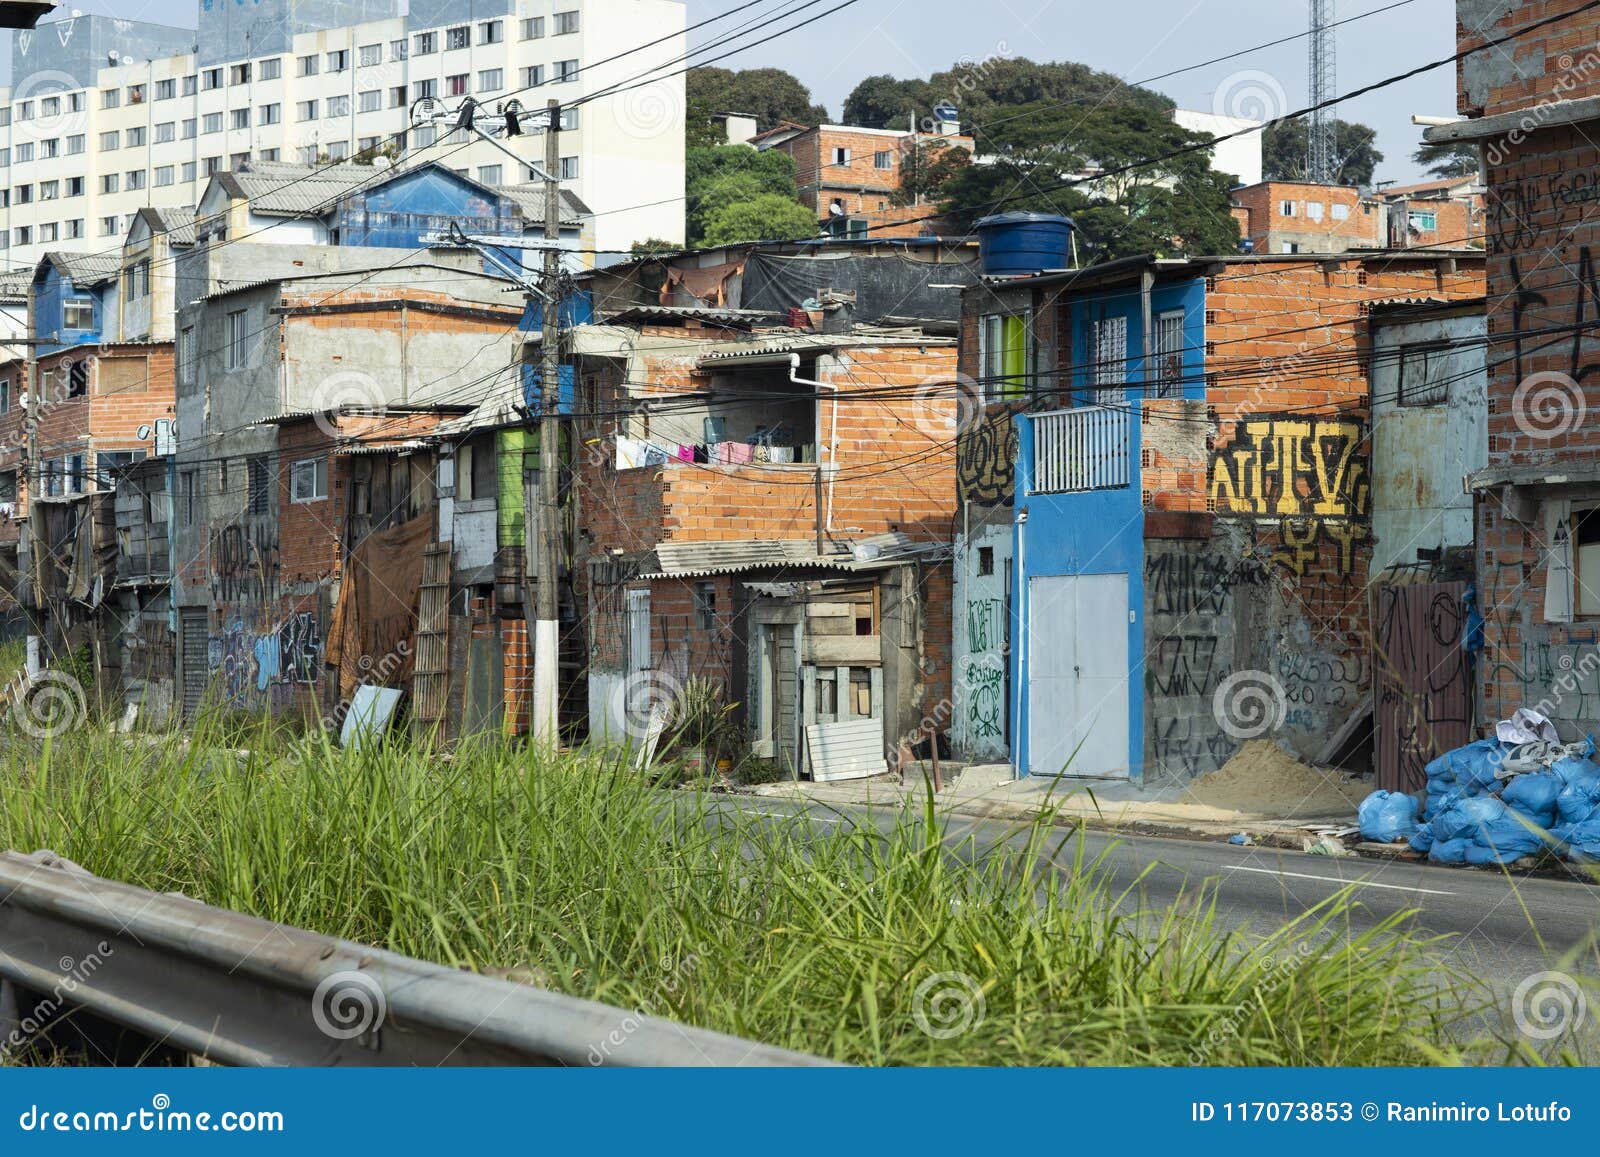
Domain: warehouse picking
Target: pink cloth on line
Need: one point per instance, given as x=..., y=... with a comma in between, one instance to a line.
x=738, y=452
x=685, y=453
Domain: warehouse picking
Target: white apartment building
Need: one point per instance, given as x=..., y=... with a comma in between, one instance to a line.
x=106, y=116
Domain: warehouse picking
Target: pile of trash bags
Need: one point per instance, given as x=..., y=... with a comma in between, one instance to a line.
x=1497, y=800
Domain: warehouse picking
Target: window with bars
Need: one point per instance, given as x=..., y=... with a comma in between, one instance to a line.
x=1108, y=358
x=260, y=488
x=1167, y=380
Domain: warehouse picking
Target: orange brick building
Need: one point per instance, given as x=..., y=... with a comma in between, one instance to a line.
x=853, y=177
x=769, y=512
x=1186, y=453
x=1526, y=88
x=1301, y=217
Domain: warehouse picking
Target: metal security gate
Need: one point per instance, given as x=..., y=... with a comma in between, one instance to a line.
x=196, y=669
x=1422, y=680
x=1078, y=675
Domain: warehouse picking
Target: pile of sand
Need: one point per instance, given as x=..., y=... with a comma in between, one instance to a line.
x=1265, y=780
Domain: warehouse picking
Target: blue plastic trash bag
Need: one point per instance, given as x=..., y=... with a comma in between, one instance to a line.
x=1449, y=852
x=1464, y=819
x=1386, y=816
x=1534, y=795
x=1509, y=838
x=1476, y=763
x=1583, y=840
x=1576, y=802
x=1422, y=838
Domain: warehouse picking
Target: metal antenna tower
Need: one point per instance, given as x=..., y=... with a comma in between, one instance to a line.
x=1321, y=160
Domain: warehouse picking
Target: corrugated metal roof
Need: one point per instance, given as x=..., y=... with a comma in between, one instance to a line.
x=777, y=348
x=14, y=284
x=85, y=269
x=530, y=200
x=279, y=189
x=696, y=313
x=698, y=559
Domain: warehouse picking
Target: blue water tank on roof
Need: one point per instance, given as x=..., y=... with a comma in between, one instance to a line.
x=1011, y=244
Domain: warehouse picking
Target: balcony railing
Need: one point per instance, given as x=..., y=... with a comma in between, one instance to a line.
x=1082, y=448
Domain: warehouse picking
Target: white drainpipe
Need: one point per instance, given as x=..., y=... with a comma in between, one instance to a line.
x=833, y=433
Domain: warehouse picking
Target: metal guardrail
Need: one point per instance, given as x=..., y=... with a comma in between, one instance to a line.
x=238, y=990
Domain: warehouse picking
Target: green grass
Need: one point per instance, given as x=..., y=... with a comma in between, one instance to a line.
x=575, y=873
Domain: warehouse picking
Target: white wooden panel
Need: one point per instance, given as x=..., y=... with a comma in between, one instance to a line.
x=850, y=750
x=850, y=650
x=1078, y=675
x=830, y=611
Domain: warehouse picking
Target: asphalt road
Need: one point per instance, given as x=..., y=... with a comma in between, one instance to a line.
x=1500, y=929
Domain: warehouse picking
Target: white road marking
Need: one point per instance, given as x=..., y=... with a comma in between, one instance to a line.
x=1337, y=880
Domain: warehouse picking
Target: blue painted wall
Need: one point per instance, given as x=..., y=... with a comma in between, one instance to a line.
x=51, y=293
x=398, y=213
x=1098, y=531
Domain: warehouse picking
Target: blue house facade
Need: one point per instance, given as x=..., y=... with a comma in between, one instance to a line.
x=74, y=300
x=1079, y=531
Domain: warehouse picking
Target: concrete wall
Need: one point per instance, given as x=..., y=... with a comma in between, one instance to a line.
x=1420, y=453
x=981, y=723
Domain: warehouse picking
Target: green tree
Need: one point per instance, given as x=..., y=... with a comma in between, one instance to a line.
x=1048, y=159
x=1284, y=149
x=882, y=102
x=651, y=246
x=1458, y=159
x=724, y=176
x=763, y=217
x=771, y=95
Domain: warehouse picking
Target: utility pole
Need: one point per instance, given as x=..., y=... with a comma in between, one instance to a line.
x=38, y=620
x=546, y=640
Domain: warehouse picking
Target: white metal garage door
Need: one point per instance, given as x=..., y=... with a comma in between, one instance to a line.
x=1078, y=675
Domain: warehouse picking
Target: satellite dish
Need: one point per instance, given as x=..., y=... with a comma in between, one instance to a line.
x=381, y=162
x=836, y=210
x=946, y=112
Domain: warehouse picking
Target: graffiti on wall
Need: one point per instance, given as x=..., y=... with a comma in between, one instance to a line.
x=1316, y=685
x=300, y=648
x=244, y=563
x=987, y=648
x=986, y=456
x=1308, y=474
x=1197, y=583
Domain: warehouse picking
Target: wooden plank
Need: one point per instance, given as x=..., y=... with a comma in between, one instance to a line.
x=877, y=692
x=829, y=611
x=848, y=750
x=847, y=650
x=843, y=708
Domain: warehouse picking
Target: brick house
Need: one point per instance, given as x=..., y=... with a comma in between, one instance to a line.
x=290, y=388
x=852, y=177
x=768, y=511
x=1164, y=498
x=1305, y=217
x=1531, y=106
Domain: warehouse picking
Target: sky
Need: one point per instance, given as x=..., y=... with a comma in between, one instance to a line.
x=1135, y=39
